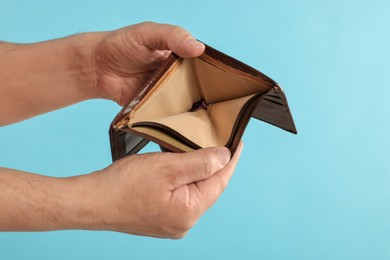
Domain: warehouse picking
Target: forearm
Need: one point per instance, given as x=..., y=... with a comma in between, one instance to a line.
x=41, y=77
x=30, y=202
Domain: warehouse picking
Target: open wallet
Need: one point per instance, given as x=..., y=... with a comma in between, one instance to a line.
x=196, y=103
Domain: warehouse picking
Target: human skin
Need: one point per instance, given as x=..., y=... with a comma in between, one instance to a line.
x=157, y=194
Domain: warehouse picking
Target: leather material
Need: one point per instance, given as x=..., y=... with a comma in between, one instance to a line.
x=190, y=104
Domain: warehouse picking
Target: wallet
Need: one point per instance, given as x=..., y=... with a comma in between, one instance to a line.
x=194, y=103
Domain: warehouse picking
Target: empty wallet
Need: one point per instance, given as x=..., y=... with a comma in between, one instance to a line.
x=196, y=103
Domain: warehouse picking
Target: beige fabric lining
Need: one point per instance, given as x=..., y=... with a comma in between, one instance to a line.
x=223, y=115
x=218, y=85
x=174, y=96
x=206, y=128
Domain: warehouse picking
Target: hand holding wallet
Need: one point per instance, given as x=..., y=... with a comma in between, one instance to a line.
x=195, y=103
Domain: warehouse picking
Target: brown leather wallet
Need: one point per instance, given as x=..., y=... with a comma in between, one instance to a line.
x=190, y=104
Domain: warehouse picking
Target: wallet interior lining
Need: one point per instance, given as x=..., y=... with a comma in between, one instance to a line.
x=206, y=128
x=220, y=83
x=191, y=81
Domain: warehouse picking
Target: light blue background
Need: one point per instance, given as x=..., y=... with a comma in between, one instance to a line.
x=323, y=194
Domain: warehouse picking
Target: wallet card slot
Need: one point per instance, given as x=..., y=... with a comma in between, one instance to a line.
x=274, y=96
x=274, y=112
x=273, y=101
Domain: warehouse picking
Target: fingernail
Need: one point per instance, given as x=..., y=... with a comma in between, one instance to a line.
x=192, y=41
x=224, y=155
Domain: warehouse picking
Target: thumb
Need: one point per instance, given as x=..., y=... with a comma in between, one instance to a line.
x=197, y=165
x=169, y=37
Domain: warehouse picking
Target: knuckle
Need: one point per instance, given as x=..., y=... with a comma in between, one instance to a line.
x=176, y=32
x=206, y=165
x=209, y=164
x=174, y=29
x=140, y=29
x=145, y=24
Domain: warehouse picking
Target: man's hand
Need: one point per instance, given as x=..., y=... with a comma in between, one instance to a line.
x=159, y=194
x=41, y=77
x=163, y=194
x=124, y=60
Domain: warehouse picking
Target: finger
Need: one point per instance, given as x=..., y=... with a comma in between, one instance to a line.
x=210, y=189
x=168, y=37
x=194, y=166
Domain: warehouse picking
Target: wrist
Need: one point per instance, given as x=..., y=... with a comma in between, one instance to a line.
x=85, y=65
x=83, y=206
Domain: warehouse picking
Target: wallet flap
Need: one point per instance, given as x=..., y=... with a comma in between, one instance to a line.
x=273, y=109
